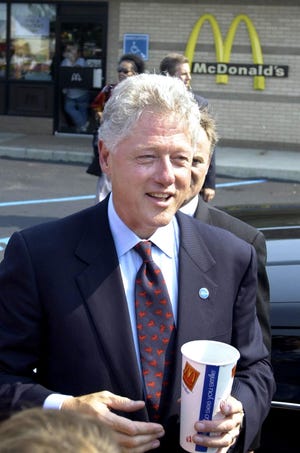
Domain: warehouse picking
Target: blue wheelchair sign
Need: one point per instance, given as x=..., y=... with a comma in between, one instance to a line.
x=137, y=44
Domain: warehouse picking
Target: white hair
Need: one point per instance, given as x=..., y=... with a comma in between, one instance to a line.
x=151, y=92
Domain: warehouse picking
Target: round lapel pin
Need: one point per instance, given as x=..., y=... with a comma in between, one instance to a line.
x=203, y=293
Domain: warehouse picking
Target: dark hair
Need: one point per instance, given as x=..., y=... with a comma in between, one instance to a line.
x=168, y=65
x=136, y=60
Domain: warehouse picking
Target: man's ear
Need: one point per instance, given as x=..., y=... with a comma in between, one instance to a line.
x=103, y=157
x=210, y=157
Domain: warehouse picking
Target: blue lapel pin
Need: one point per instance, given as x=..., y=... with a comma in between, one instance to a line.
x=203, y=293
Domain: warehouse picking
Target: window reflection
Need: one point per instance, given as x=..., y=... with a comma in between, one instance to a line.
x=32, y=41
x=2, y=39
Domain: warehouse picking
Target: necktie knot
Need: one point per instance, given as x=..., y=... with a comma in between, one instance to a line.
x=143, y=248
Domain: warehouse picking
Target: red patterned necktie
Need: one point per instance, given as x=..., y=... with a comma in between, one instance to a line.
x=155, y=325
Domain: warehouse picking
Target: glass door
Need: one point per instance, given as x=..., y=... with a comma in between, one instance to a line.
x=80, y=68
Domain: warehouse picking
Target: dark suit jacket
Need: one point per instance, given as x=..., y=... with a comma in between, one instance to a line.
x=64, y=313
x=210, y=178
x=213, y=216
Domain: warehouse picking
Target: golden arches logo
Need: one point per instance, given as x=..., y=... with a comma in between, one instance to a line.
x=223, y=49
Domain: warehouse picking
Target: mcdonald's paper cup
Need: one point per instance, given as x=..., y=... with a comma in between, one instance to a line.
x=208, y=368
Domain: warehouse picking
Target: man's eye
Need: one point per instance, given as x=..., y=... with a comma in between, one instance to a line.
x=146, y=158
x=197, y=162
x=181, y=159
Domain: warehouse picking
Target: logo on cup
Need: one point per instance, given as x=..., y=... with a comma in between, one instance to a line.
x=190, y=376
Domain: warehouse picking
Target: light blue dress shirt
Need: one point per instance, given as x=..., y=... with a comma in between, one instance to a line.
x=164, y=253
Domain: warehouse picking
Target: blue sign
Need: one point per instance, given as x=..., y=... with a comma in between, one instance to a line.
x=137, y=44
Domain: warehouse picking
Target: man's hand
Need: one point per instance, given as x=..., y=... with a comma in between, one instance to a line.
x=223, y=431
x=132, y=436
x=208, y=194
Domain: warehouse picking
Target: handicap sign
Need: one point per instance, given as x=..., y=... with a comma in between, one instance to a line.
x=137, y=44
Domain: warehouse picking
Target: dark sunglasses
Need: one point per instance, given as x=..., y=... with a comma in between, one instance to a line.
x=125, y=71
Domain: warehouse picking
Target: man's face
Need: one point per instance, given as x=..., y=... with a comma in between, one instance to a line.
x=200, y=165
x=150, y=171
x=71, y=53
x=183, y=72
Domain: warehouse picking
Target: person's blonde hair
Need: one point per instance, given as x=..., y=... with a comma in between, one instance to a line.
x=208, y=123
x=40, y=430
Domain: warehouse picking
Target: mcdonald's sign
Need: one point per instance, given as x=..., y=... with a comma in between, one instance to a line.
x=223, y=68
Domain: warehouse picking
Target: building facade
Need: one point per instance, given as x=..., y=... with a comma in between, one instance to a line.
x=245, y=57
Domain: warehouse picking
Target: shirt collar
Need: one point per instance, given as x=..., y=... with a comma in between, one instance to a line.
x=190, y=207
x=165, y=238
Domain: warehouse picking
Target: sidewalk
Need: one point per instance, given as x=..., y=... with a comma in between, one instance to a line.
x=32, y=138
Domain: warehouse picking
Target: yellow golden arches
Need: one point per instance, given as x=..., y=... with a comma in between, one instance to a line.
x=192, y=41
x=223, y=50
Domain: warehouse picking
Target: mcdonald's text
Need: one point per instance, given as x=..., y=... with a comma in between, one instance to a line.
x=240, y=69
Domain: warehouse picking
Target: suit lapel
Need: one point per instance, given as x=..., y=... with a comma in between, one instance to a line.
x=194, y=313
x=102, y=289
x=202, y=212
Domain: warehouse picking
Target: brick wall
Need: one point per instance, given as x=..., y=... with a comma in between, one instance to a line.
x=266, y=119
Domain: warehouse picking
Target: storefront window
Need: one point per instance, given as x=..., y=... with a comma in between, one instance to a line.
x=32, y=41
x=2, y=39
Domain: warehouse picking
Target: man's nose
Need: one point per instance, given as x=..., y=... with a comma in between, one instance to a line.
x=165, y=171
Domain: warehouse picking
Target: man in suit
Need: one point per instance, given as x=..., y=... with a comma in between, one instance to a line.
x=68, y=333
x=177, y=65
x=196, y=207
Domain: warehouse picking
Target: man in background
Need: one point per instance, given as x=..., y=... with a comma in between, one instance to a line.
x=196, y=207
x=76, y=100
x=177, y=65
